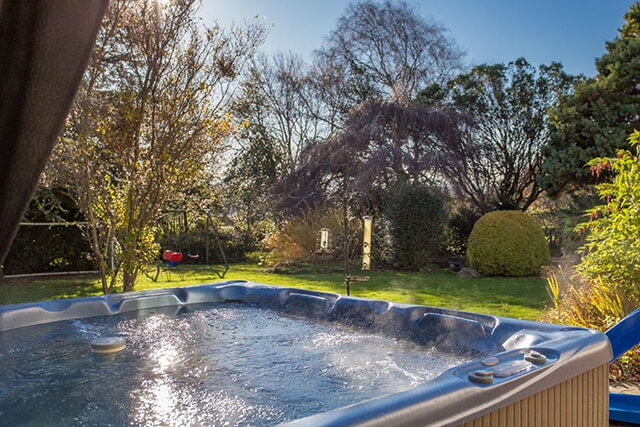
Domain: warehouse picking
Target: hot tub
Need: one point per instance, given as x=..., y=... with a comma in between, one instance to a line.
x=248, y=353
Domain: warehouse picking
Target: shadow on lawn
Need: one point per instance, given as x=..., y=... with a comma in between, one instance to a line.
x=13, y=291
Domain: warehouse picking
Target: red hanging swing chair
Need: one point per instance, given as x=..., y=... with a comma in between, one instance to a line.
x=173, y=259
x=175, y=222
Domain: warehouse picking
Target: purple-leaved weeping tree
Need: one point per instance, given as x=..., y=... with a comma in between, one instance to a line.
x=383, y=145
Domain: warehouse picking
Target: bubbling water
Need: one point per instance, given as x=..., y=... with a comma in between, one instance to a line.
x=223, y=364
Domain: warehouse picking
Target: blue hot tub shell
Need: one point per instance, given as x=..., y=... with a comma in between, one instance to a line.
x=517, y=360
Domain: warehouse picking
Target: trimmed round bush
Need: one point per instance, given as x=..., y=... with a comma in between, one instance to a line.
x=507, y=243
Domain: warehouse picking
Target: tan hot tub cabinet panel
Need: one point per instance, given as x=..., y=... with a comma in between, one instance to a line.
x=581, y=401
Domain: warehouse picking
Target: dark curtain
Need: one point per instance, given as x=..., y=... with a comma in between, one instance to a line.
x=44, y=49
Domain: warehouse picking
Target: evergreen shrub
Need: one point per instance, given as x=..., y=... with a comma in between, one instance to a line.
x=507, y=243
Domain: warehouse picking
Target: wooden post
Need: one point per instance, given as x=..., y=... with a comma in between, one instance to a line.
x=346, y=244
x=206, y=258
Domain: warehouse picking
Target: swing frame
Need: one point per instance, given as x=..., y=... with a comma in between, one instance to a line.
x=178, y=226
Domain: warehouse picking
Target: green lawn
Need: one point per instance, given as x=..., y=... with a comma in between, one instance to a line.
x=523, y=298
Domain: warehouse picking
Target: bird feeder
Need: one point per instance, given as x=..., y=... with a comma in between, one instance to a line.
x=366, y=242
x=324, y=239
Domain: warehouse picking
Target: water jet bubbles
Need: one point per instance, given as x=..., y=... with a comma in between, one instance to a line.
x=179, y=371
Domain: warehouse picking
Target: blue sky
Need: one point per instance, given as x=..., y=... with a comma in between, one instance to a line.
x=570, y=31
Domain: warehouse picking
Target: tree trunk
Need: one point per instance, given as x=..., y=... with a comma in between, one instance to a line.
x=130, y=265
x=128, y=279
x=95, y=248
x=103, y=279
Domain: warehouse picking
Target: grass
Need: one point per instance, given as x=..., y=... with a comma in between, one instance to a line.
x=524, y=298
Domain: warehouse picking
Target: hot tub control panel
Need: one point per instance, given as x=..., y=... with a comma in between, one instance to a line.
x=505, y=366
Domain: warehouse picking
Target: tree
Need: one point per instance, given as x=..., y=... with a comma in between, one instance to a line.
x=246, y=185
x=496, y=161
x=334, y=90
x=612, y=248
x=280, y=119
x=272, y=103
x=595, y=119
x=389, y=47
x=148, y=116
x=383, y=145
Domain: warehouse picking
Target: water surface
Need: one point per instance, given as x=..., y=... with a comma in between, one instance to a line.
x=222, y=364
